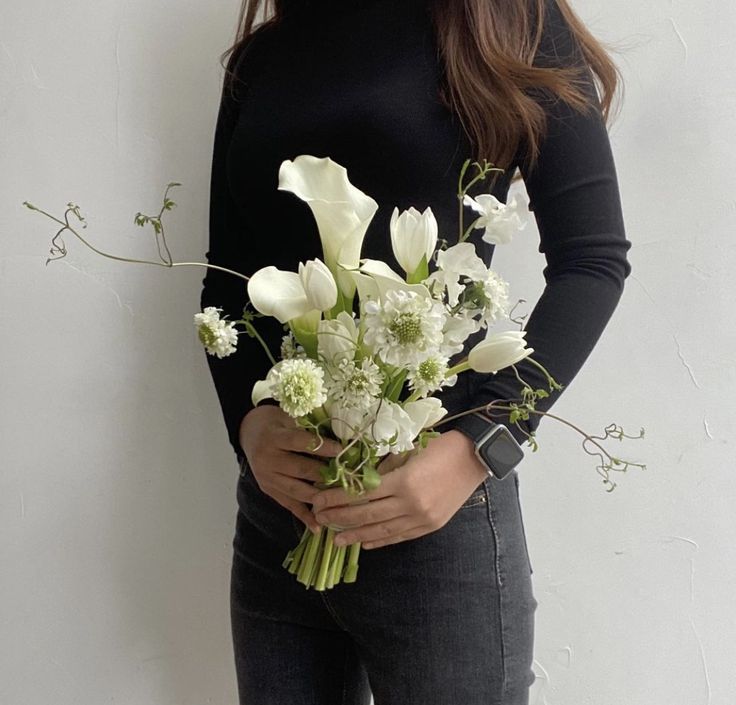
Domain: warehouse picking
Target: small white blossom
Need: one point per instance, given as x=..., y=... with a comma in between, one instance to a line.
x=499, y=220
x=496, y=293
x=354, y=385
x=405, y=327
x=218, y=336
x=430, y=375
x=290, y=348
x=298, y=385
x=456, y=262
x=457, y=329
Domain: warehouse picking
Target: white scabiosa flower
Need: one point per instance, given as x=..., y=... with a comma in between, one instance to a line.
x=404, y=327
x=430, y=375
x=496, y=293
x=297, y=384
x=218, y=336
x=499, y=220
x=489, y=296
x=354, y=385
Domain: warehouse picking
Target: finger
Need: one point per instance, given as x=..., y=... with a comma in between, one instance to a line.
x=304, y=441
x=391, y=531
x=357, y=515
x=302, y=467
x=299, y=510
x=293, y=487
x=413, y=534
x=335, y=496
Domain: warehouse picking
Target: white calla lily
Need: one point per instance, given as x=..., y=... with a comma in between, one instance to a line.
x=319, y=284
x=386, y=279
x=262, y=389
x=498, y=351
x=342, y=211
x=413, y=236
x=280, y=294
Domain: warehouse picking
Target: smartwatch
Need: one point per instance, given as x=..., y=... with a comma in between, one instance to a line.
x=495, y=446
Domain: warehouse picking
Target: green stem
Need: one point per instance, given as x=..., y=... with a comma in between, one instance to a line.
x=308, y=560
x=252, y=330
x=351, y=570
x=325, y=561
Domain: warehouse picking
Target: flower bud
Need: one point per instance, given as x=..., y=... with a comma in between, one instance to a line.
x=498, y=351
x=319, y=284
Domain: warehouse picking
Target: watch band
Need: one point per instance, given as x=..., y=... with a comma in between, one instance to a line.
x=495, y=445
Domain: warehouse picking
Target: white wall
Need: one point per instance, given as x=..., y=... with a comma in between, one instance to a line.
x=117, y=484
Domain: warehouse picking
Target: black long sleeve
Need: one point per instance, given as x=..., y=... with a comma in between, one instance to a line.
x=574, y=195
x=359, y=84
x=229, y=229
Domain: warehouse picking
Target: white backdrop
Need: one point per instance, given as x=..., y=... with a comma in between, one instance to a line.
x=117, y=484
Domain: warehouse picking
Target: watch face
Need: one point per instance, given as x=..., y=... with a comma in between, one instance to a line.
x=502, y=453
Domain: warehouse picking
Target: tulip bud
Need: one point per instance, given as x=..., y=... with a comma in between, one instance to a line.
x=413, y=236
x=319, y=284
x=498, y=351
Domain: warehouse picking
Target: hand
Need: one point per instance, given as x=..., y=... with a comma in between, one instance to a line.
x=272, y=443
x=415, y=499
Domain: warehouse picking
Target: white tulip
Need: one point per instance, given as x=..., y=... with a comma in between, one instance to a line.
x=498, y=351
x=337, y=338
x=346, y=421
x=280, y=294
x=319, y=284
x=413, y=236
x=342, y=211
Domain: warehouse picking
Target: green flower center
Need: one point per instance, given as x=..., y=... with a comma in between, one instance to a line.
x=406, y=328
x=358, y=382
x=206, y=336
x=429, y=370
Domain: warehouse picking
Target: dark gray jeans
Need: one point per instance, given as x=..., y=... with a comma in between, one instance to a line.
x=443, y=619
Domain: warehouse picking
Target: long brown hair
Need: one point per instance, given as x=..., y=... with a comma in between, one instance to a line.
x=489, y=50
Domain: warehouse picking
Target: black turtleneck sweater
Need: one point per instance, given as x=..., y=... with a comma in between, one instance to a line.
x=357, y=81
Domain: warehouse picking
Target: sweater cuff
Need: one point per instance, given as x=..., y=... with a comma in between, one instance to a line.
x=461, y=424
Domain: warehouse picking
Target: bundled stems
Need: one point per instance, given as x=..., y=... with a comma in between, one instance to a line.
x=318, y=563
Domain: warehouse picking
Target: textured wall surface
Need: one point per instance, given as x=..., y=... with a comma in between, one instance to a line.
x=117, y=485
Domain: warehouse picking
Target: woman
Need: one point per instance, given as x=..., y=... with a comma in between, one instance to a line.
x=401, y=92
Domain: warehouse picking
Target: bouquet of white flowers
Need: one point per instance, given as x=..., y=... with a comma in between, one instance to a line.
x=366, y=377
x=368, y=380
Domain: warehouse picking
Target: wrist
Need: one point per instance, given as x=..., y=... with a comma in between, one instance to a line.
x=466, y=449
